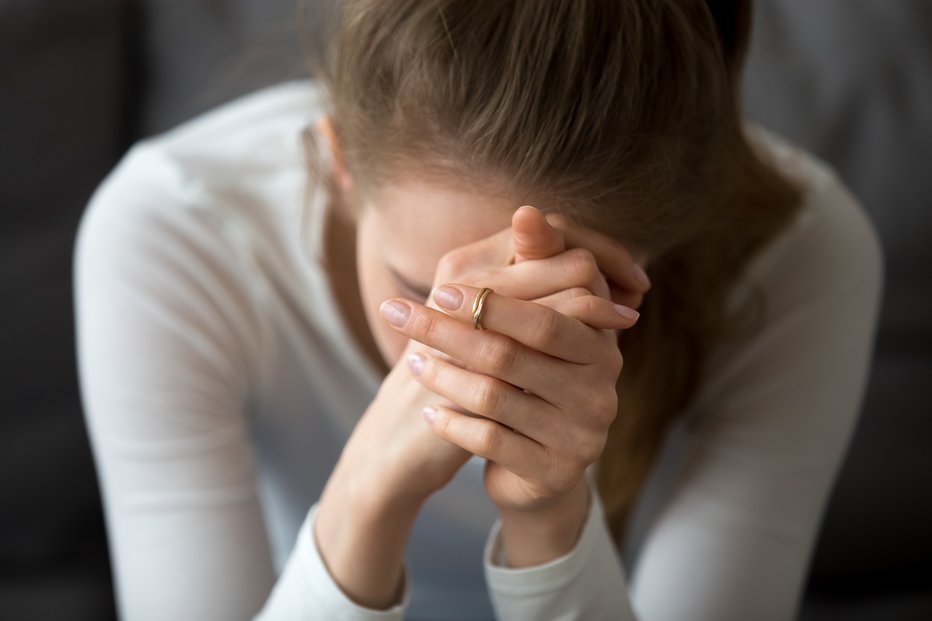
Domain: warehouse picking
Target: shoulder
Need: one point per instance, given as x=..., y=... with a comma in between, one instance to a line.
x=187, y=185
x=830, y=251
x=238, y=145
x=167, y=229
x=256, y=129
x=820, y=282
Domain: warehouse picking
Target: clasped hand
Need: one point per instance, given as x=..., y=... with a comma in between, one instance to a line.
x=534, y=393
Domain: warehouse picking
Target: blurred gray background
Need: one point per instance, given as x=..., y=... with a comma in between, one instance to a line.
x=81, y=81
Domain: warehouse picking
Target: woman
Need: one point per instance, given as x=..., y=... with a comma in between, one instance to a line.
x=254, y=404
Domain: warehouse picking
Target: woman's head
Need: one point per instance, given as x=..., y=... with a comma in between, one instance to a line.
x=618, y=113
x=401, y=236
x=621, y=114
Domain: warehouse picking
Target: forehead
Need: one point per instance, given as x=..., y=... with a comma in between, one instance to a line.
x=419, y=221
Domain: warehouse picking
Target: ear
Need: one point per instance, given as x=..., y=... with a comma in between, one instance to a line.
x=325, y=129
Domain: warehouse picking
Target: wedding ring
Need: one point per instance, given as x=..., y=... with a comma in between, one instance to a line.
x=477, y=308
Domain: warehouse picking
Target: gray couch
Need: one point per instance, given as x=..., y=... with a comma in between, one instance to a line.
x=853, y=82
x=81, y=81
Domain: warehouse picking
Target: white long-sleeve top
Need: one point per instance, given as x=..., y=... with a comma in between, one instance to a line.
x=220, y=383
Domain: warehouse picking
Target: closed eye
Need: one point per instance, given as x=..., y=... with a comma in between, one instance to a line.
x=409, y=287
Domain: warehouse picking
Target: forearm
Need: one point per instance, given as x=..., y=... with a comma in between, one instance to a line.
x=536, y=537
x=362, y=538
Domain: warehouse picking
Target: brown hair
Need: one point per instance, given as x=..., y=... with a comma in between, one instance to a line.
x=621, y=114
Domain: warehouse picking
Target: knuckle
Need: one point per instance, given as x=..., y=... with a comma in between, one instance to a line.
x=589, y=305
x=487, y=438
x=606, y=408
x=546, y=328
x=610, y=361
x=476, y=278
x=451, y=264
x=425, y=327
x=429, y=373
x=585, y=449
x=611, y=402
x=584, y=265
x=582, y=447
x=488, y=396
x=592, y=450
x=441, y=426
x=578, y=292
x=563, y=478
x=499, y=355
x=616, y=360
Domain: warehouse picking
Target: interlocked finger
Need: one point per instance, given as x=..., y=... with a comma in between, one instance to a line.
x=487, y=396
x=537, y=326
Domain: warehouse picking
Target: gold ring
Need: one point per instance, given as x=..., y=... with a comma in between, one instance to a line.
x=477, y=308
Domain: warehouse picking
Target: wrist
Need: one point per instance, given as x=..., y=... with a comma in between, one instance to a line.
x=534, y=537
x=375, y=495
x=361, y=537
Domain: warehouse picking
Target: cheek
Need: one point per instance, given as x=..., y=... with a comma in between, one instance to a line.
x=375, y=286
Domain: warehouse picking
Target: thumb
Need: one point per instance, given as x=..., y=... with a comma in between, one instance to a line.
x=534, y=237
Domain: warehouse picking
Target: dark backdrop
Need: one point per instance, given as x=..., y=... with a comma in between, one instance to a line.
x=81, y=81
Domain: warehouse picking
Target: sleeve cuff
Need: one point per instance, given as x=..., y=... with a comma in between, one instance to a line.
x=552, y=575
x=327, y=594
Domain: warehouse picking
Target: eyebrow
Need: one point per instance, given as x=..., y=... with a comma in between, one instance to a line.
x=407, y=284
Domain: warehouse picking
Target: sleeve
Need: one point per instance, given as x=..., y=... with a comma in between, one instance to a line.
x=769, y=431
x=307, y=591
x=170, y=347
x=734, y=536
x=587, y=583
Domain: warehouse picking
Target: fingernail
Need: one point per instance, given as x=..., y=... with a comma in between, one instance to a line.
x=627, y=313
x=416, y=363
x=395, y=312
x=448, y=297
x=641, y=276
x=430, y=414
